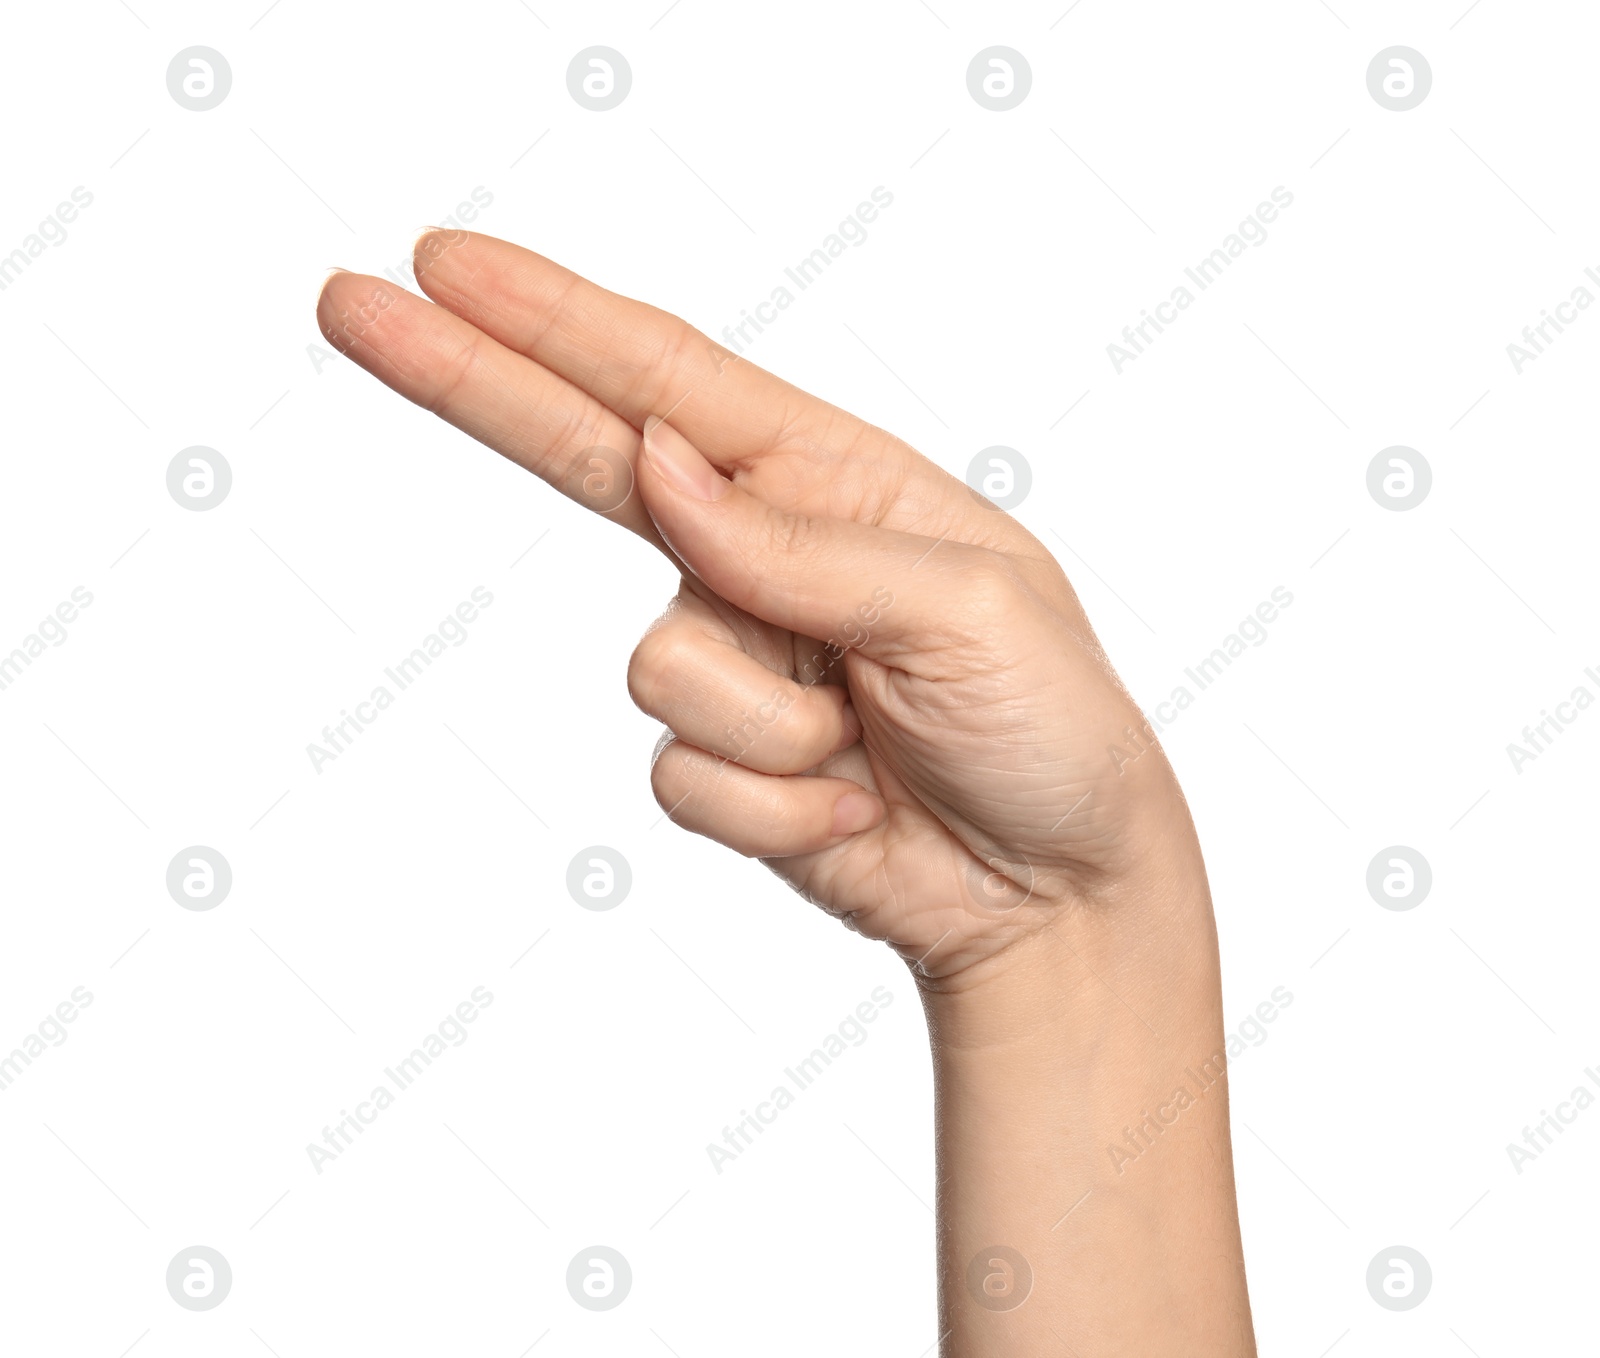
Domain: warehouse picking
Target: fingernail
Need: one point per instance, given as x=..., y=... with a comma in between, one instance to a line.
x=680, y=462
x=322, y=283
x=855, y=812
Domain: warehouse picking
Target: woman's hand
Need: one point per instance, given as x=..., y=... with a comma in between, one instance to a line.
x=886, y=689
x=875, y=681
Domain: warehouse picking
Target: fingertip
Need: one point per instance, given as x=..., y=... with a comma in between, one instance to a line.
x=418, y=239
x=430, y=247
x=329, y=291
x=354, y=309
x=840, y=715
x=325, y=282
x=849, y=723
x=856, y=811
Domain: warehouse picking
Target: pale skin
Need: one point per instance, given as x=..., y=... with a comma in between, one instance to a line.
x=942, y=778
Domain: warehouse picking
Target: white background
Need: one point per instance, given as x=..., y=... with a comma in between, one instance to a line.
x=369, y=899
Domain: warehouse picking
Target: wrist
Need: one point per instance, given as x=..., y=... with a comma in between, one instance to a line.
x=1143, y=946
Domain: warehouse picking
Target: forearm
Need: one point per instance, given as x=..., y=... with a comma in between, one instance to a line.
x=1082, y=1124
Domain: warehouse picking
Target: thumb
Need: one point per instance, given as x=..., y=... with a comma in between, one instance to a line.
x=851, y=584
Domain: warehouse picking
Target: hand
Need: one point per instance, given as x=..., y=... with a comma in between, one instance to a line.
x=886, y=689
x=875, y=681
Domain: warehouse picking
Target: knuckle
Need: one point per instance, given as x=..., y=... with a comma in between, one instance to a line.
x=986, y=590
x=789, y=732
x=455, y=373
x=549, y=314
x=575, y=431
x=669, y=368
x=789, y=535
